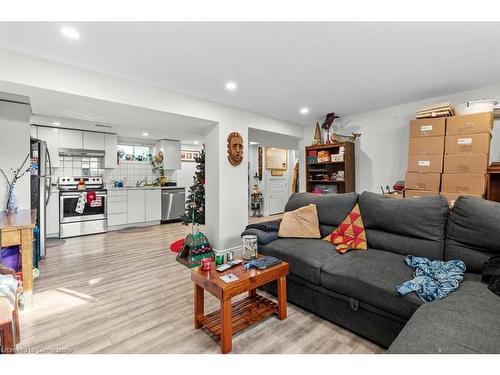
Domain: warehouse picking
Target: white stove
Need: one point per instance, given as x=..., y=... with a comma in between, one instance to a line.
x=93, y=218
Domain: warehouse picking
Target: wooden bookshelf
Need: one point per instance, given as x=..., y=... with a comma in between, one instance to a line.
x=318, y=170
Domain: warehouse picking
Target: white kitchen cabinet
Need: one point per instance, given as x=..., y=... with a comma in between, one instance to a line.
x=70, y=138
x=93, y=141
x=136, y=207
x=110, y=148
x=153, y=205
x=51, y=137
x=52, y=215
x=117, y=207
x=34, y=131
x=171, y=153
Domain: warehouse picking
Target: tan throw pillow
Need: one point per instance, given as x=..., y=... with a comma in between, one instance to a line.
x=301, y=223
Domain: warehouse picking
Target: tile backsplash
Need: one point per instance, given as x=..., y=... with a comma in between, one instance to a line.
x=128, y=171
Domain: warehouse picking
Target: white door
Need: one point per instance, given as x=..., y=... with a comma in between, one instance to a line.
x=278, y=195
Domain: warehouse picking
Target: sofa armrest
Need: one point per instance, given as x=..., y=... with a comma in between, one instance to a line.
x=267, y=226
x=263, y=237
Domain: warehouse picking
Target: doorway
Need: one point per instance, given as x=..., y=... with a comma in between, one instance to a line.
x=272, y=168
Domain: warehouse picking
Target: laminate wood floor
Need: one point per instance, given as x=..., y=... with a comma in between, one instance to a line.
x=125, y=293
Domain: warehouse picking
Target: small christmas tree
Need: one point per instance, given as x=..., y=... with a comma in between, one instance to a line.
x=195, y=204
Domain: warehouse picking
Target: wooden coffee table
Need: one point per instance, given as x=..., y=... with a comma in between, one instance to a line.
x=233, y=318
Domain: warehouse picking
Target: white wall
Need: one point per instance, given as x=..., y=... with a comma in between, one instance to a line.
x=14, y=146
x=382, y=149
x=226, y=189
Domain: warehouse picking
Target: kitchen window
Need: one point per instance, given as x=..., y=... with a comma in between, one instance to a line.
x=135, y=152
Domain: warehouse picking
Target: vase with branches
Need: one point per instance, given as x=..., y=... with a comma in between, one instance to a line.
x=12, y=201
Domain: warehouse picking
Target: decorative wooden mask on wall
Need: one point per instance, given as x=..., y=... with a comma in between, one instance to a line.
x=235, y=148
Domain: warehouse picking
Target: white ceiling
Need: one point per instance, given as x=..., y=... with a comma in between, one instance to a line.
x=279, y=67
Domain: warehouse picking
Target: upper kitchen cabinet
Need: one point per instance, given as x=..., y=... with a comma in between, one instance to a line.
x=70, y=138
x=51, y=137
x=110, y=148
x=93, y=141
x=171, y=153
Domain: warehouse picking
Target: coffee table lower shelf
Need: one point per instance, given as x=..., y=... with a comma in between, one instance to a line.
x=244, y=313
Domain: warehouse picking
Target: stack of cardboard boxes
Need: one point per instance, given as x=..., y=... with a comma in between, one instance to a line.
x=467, y=156
x=449, y=156
x=425, y=157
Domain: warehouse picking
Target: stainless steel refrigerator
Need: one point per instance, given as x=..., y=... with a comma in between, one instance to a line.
x=41, y=182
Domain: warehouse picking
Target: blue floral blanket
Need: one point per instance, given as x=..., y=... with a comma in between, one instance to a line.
x=433, y=280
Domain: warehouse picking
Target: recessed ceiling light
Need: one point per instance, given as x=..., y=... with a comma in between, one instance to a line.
x=56, y=123
x=196, y=142
x=231, y=86
x=145, y=134
x=70, y=33
x=253, y=143
x=304, y=110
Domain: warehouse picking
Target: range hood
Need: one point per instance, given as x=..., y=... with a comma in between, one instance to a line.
x=80, y=152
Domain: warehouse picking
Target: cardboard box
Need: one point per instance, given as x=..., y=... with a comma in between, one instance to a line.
x=428, y=127
x=419, y=193
x=452, y=197
x=425, y=163
x=423, y=181
x=475, y=163
x=426, y=146
x=463, y=183
x=468, y=144
x=470, y=124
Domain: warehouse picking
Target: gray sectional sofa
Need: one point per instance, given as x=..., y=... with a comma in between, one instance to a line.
x=357, y=290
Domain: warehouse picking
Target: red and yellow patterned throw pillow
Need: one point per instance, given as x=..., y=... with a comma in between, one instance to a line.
x=350, y=234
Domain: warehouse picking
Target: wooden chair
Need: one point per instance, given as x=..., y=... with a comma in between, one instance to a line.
x=10, y=334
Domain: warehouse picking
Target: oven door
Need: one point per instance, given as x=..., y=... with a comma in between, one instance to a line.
x=95, y=211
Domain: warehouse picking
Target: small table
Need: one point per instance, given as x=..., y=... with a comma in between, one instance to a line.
x=233, y=318
x=17, y=229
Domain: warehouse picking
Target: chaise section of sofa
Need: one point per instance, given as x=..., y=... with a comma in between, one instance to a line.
x=468, y=320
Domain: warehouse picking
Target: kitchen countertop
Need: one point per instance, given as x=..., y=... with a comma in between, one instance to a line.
x=145, y=188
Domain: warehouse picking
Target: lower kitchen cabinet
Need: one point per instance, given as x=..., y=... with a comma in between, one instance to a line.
x=133, y=206
x=136, y=206
x=52, y=215
x=153, y=205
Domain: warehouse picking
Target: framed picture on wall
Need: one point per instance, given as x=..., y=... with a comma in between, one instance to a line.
x=276, y=158
x=189, y=155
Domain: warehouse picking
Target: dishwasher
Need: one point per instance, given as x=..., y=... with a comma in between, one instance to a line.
x=173, y=202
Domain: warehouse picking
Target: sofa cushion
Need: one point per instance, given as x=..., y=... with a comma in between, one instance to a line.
x=467, y=321
x=300, y=223
x=332, y=208
x=411, y=226
x=305, y=256
x=350, y=234
x=473, y=233
x=372, y=276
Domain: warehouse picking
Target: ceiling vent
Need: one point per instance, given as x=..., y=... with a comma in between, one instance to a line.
x=103, y=126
